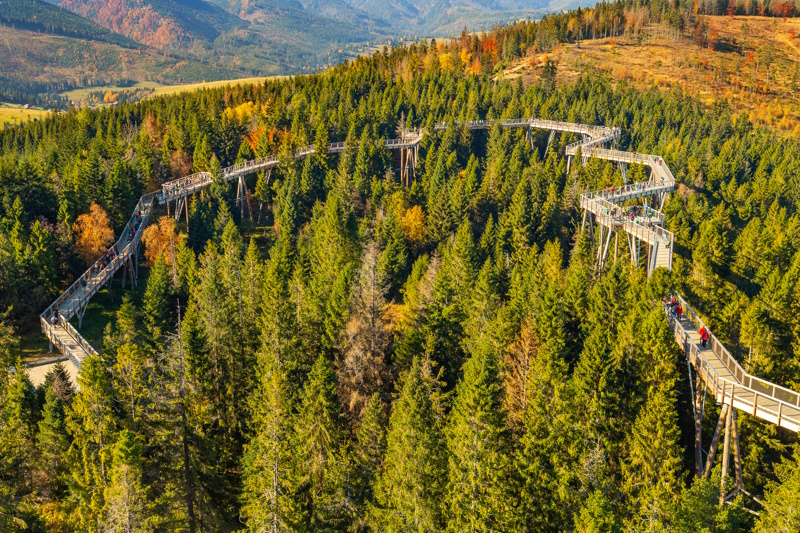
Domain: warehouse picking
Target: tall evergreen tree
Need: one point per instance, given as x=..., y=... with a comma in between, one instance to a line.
x=478, y=462
x=410, y=489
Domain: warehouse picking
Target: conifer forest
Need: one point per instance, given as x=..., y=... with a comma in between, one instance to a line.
x=344, y=350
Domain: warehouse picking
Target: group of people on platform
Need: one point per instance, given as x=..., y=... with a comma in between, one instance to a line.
x=107, y=258
x=674, y=306
x=637, y=214
x=137, y=221
x=676, y=310
x=174, y=187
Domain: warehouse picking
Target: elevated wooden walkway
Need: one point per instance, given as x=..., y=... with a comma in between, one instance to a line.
x=730, y=384
x=728, y=381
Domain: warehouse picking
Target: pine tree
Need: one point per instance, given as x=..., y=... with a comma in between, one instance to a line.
x=363, y=369
x=781, y=499
x=130, y=382
x=367, y=452
x=478, y=464
x=409, y=491
x=597, y=515
x=16, y=458
x=543, y=458
x=268, y=460
x=92, y=426
x=320, y=469
x=201, y=160
x=267, y=457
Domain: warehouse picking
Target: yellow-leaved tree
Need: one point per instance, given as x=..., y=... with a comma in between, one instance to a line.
x=413, y=224
x=162, y=239
x=93, y=234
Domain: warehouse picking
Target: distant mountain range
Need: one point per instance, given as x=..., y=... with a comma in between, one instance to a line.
x=95, y=42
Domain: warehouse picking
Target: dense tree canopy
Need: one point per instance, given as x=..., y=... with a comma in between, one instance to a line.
x=361, y=355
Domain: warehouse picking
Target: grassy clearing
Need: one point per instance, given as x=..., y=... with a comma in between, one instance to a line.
x=14, y=114
x=158, y=89
x=749, y=62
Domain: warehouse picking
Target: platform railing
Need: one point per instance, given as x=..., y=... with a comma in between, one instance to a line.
x=612, y=214
x=763, y=387
x=730, y=392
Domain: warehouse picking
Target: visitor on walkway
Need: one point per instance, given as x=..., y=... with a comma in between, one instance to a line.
x=679, y=312
x=703, y=336
x=54, y=318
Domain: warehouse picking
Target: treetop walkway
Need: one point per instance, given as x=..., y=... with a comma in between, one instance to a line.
x=717, y=371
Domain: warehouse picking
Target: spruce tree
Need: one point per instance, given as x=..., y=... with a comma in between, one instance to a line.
x=410, y=489
x=16, y=457
x=92, y=424
x=268, y=461
x=52, y=443
x=320, y=455
x=478, y=462
x=126, y=507
x=156, y=302
x=781, y=499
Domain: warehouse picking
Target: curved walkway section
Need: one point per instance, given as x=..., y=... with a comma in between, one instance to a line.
x=719, y=370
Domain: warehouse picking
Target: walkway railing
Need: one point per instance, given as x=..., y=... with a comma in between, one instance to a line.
x=755, y=384
x=77, y=296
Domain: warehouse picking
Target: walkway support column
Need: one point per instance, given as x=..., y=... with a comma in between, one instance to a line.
x=698, y=427
x=725, y=455
x=712, y=451
x=737, y=453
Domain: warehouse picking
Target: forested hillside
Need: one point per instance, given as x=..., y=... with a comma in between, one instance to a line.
x=366, y=356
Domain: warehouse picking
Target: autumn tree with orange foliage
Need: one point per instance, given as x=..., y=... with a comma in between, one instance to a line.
x=162, y=240
x=93, y=234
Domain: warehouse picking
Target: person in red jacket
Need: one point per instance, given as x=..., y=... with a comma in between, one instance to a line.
x=679, y=312
x=703, y=336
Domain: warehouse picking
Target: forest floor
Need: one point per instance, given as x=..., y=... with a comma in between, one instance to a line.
x=751, y=62
x=11, y=114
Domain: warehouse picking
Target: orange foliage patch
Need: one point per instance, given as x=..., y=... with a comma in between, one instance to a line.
x=93, y=234
x=162, y=240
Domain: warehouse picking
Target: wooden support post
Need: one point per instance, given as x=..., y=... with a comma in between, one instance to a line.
x=725, y=455
x=698, y=428
x=124, y=274
x=549, y=142
x=569, y=162
x=712, y=451
x=583, y=221
x=737, y=453
x=601, y=229
x=616, y=245
x=605, y=248
x=129, y=268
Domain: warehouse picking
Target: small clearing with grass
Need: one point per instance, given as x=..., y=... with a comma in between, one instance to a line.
x=11, y=114
x=151, y=89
